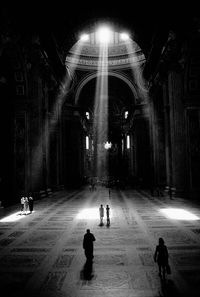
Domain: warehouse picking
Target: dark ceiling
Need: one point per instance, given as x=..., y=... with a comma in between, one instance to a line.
x=67, y=19
x=60, y=23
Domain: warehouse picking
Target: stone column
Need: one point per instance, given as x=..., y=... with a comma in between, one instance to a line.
x=158, y=139
x=168, y=148
x=177, y=132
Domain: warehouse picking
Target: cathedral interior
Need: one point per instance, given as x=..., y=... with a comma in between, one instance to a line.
x=99, y=105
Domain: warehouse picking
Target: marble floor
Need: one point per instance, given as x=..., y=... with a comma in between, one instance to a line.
x=41, y=254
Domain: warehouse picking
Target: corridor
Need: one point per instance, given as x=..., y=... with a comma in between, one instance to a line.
x=41, y=254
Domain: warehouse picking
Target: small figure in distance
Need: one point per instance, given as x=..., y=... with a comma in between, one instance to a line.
x=88, y=245
x=108, y=215
x=30, y=202
x=22, y=204
x=161, y=257
x=109, y=192
x=101, y=213
x=26, y=205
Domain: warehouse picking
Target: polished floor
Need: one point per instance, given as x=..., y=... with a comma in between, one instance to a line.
x=41, y=254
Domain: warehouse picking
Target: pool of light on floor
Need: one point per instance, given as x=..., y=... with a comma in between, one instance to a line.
x=13, y=217
x=90, y=214
x=179, y=214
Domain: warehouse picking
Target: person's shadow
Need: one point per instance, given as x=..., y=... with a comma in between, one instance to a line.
x=169, y=289
x=87, y=272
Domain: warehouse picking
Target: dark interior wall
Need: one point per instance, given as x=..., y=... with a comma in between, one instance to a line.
x=73, y=160
x=158, y=145
x=192, y=112
x=143, y=154
x=193, y=123
x=7, y=95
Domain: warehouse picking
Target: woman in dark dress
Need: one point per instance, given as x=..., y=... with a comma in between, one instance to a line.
x=161, y=257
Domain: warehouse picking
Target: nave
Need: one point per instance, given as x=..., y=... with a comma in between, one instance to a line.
x=41, y=254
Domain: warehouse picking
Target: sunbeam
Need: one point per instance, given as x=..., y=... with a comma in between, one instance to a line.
x=135, y=67
x=100, y=125
x=89, y=214
x=179, y=214
x=13, y=217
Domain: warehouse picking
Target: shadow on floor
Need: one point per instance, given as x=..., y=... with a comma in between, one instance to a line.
x=87, y=272
x=168, y=289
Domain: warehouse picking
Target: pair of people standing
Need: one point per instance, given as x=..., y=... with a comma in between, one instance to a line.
x=26, y=204
x=101, y=213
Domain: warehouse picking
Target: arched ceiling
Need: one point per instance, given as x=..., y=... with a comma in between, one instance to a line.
x=119, y=53
x=119, y=94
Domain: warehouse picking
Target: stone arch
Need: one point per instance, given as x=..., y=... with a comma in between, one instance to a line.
x=119, y=75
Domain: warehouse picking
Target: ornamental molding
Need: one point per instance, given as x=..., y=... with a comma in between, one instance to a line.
x=114, y=63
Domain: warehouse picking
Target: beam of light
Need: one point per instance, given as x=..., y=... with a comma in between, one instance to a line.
x=13, y=217
x=179, y=214
x=100, y=124
x=48, y=127
x=84, y=37
x=104, y=34
x=89, y=214
x=141, y=84
x=124, y=36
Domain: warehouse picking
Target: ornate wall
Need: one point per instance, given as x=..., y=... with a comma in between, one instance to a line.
x=175, y=125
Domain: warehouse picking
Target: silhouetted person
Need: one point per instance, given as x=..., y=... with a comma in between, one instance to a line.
x=101, y=214
x=108, y=215
x=30, y=202
x=161, y=257
x=88, y=245
x=109, y=192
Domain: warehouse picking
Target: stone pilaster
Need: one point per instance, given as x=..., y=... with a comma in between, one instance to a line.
x=177, y=132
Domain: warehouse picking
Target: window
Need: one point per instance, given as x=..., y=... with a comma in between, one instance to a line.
x=128, y=142
x=126, y=114
x=87, y=115
x=87, y=143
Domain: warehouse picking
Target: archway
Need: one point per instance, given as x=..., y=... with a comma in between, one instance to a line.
x=107, y=89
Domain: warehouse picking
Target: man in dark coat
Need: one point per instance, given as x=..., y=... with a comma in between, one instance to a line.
x=88, y=244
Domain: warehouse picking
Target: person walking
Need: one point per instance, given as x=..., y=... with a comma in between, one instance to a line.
x=30, y=202
x=161, y=257
x=108, y=215
x=88, y=240
x=101, y=213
